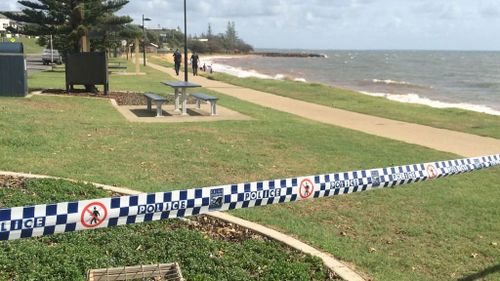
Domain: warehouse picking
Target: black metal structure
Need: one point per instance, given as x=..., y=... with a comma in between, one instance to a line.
x=13, y=76
x=87, y=69
x=185, y=45
x=144, y=39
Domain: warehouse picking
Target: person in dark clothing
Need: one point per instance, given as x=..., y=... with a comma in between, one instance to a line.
x=177, y=61
x=195, y=59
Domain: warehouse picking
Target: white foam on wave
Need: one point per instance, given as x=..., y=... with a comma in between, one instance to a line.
x=235, y=71
x=279, y=76
x=407, y=98
x=240, y=72
x=416, y=99
x=388, y=82
x=300, y=79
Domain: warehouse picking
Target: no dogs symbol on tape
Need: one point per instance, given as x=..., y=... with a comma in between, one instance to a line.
x=93, y=215
x=306, y=188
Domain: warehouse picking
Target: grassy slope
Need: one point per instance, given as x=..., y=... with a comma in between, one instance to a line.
x=69, y=256
x=427, y=231
x=30, y=45
x=453, y=119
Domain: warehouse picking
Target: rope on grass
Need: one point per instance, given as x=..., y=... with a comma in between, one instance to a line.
x=47, y=219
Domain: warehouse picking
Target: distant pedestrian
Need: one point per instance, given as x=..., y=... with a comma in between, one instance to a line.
x=195, y=59
x=177, y=61
x=204, y=67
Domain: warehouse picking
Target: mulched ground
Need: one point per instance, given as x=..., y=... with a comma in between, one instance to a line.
x=11, y=182
x=122, y=98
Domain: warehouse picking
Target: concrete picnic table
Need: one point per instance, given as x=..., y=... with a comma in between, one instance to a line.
x=182, y=85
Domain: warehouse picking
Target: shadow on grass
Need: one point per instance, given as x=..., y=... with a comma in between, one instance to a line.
x=481, y=274
x=152, y=113
x=148, y=113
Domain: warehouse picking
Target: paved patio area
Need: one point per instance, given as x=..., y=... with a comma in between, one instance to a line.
x=139, y=113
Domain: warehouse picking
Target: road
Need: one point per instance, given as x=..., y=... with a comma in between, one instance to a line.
x=34, y=63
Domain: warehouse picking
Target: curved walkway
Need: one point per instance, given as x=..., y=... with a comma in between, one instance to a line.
x=339, y=268
x=440, y=139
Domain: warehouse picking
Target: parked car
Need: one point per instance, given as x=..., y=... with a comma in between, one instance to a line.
x=47, y=57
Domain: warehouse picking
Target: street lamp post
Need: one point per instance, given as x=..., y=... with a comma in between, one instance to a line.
x=185, y=45
x=144, y=39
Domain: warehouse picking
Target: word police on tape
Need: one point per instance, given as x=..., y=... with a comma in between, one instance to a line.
x=22, y=222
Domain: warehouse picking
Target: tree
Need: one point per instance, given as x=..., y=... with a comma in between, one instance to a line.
x=209, y=32
x=69, y=20
x=231, y=37
x=197, y=46
x=129, y=33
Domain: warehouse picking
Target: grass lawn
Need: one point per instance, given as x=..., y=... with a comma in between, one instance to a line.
x=200, y=256
x=148, y=82
x=161, y=60
x=441, y=230
x=453, y=119
x=30, y=45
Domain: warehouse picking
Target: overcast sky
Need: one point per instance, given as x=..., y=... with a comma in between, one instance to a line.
x=333, y=24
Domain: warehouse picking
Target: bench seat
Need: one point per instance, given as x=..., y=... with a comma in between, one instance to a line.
x=205, y=97
x=158, y=100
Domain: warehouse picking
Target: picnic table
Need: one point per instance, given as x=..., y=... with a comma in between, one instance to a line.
x=116, y=65
x=180, y=91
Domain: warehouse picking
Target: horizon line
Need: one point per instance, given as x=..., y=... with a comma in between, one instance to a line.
x=380, y=49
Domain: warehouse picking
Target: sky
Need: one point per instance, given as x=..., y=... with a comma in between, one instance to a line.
x=332, y=24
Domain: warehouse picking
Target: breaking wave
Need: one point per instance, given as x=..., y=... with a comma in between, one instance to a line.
x=388, y=82
x=404, y=98
x=416, y=99
x=245, y=73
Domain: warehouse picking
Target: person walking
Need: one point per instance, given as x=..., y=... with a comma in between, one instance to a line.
x=195, y=59
x=177, y=61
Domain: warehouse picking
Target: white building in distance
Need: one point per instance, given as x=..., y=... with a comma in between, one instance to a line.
x=4, y=23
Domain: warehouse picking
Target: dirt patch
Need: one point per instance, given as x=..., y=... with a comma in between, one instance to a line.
x=122, y=98
x=11, y=182
x=222, y=230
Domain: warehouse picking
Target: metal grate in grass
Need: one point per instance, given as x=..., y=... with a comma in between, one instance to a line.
x=159, y=272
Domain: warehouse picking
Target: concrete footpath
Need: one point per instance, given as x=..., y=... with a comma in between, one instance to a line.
x=440, y=139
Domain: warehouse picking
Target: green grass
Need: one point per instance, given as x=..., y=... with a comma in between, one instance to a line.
x=453, y=119
x=30, y=45
x=427, y=231
x=69, y=256
x=149, y=82
x=160, y=61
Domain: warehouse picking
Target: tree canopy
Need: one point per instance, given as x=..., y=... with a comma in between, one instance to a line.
x=69, y=20
x=227, y=42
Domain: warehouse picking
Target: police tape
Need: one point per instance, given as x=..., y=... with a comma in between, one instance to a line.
x=47, y=219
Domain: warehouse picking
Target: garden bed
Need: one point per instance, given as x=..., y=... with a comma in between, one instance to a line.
x=206, y=248
x=122, y=98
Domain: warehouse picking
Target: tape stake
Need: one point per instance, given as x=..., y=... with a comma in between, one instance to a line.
x=31, y=221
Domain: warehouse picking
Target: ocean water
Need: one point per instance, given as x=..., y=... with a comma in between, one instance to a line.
x=460, y=79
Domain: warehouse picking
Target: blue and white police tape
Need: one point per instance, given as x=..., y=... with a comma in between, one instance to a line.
x=23, y=222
